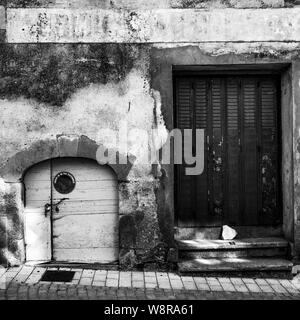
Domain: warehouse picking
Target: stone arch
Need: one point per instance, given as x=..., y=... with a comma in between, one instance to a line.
x=61, y=146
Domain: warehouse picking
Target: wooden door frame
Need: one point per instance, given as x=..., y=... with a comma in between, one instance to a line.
x=275, y=70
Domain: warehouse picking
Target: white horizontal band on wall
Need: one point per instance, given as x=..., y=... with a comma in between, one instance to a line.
x=152, y=26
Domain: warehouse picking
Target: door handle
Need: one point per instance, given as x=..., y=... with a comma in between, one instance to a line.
x=58, y=203
x=47, y=207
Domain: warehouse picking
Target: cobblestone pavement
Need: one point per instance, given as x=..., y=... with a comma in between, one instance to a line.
x=24, y=283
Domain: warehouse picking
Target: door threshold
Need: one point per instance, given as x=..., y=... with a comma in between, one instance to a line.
x=79, y=265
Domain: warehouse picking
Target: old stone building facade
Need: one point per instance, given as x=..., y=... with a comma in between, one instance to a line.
x=70, y=71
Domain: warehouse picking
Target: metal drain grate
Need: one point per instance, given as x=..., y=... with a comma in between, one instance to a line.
x=58, y=276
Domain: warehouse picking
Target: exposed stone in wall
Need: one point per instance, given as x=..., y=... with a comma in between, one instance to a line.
x=141, y=238
x=11, y=224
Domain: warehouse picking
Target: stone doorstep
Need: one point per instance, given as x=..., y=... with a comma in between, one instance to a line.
x=234, y=265
x=207, y=244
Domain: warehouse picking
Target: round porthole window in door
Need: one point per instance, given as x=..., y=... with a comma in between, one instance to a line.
x=64, y=182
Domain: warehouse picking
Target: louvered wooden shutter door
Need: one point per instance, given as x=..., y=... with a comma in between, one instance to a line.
x=186, y=185
x=270, y=204
x=250, y=166
x=192, y=191
x=216, y=161
x=233, y=152
x=239, y=185
x=201, y=114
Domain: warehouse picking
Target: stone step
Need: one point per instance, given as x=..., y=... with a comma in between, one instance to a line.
x=257, y=267
x=254, y=247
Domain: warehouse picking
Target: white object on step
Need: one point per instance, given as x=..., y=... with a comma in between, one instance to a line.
x=228, y=233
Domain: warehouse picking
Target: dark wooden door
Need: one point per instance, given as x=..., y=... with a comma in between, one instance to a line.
x=240, y=181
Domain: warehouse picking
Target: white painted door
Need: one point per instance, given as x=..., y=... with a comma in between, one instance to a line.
x=85, y=224
x=86, y=227
x=37, y=221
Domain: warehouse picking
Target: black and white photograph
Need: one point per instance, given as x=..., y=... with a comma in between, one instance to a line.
x=149, y=150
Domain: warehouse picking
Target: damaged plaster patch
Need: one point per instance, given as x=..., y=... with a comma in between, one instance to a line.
x=52, y=73
x=11, y=224
x=89, y=112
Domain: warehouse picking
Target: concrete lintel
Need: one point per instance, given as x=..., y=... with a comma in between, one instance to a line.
x=33, y=25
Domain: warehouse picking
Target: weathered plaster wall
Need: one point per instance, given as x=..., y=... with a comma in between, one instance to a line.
x=48, y=91
x=142, y=95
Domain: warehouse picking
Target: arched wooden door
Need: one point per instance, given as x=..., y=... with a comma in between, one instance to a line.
x=71, y=212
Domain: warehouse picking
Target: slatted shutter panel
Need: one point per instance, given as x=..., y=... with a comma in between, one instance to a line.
x=186, y=185
x=216, y=196
x=201, y=112
x=250, y=165
x=233, y=152
x=269, y=166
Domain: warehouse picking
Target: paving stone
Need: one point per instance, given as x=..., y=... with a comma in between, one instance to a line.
x=213, y=281
x=248, y=280
x=77, y=275
x=266, y=288
x=88, y=273
x=112, y=282
x=227, y=286
x=241, y=288
x=189, y=285
x=262, y=282
x=200, y=280
x=153, y=279
x=176, y=284
x=112, y=275
x=85, y=281
x=124, y=282
x=273, y=281
x=138, y=284
x=149, y=273
x=278, y=288
x=99, y=283
x=202, y=286
x=237, y=281
x=164, y=285
x=187, y=278
x=285, y=283
x=224, y=280
x=215, y=287
x=253, y=287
